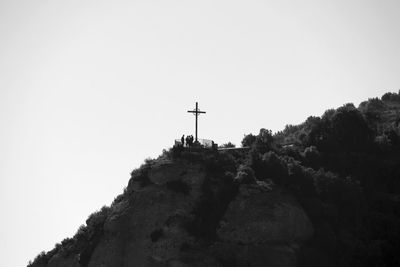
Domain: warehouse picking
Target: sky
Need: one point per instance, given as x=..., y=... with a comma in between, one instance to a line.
x=89, y=89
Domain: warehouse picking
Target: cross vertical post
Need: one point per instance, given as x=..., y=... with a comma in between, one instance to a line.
x=197, y=107
x=196, y=112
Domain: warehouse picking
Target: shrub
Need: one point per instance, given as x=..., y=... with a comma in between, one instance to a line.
x=140, y=175
x=228, y=145
x=344, y=193
x=300, y=180
x=311, y=152
x=375, y=104
x=118, y=198
x=219, y=162
x=383, y=142
x=248, y=140
x=264, y=141
x=192, y=156
x=81, y=233
x=41, y=258
x=350, y=130
x=312, y=157
x=393, y=137
x=274, y=167
x=344, y=130
x=97, y=218
x=176, y=152
x=245, y=175
x=391, y=97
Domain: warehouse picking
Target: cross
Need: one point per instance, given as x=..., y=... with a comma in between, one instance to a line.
x=196, y=112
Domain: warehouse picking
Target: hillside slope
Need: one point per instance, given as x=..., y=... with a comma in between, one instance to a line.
x=181, y=213
x=322, y=193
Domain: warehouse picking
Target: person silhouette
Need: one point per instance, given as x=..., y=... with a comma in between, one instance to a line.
x=183, y=140
x=191, y=140
x=188, y=140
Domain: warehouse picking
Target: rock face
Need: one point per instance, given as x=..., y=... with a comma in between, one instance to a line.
x=266, y=228
x=177, y=214
x=148, y=229
x=256, y=216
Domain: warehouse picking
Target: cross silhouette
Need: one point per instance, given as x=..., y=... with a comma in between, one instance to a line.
x=196, y=112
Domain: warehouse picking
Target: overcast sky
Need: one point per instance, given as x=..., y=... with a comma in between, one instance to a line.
x=89, y=89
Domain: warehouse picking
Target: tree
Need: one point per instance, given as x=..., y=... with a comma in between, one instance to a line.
x=248, y=140
x=264, y=141
x=350, y=130
x=391, y=97
x=344, y=130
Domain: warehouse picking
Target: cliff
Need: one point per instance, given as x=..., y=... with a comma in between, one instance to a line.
x=181, y=213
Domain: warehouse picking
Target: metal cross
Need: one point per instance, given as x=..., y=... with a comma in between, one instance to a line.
x=196, y=112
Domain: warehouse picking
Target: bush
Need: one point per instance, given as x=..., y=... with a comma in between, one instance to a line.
x=228, y=145
x=344, y=130
x=245, y=175
x=300, y=180
x=41, y=258
x=118, y=198
x=192, y=156
x=311, y=152
x=274, y=167
x=175, y=152
x=98, y=217
x=383, y=142
x=264, y=141
x=391, y=97
x=140, y=175
x=248, y=140
x=312, y=157
x=219, y=162
x=350, y=130
x=344, y=193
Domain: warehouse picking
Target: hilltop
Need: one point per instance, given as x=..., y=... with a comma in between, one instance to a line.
x=322, y=193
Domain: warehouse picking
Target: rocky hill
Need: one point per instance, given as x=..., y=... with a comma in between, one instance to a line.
x=322, y=193
x=183, y=213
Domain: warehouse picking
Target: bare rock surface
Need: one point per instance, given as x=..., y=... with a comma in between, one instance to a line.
x=149, y=232
x=263, y=228
x=165, y=220
x=256, y=216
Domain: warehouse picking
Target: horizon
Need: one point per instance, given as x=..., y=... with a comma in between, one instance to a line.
x=89, y=90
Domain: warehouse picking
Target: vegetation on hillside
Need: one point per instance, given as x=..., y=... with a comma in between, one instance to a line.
x=344, y=168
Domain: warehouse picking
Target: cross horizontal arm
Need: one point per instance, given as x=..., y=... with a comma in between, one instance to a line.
x=194, y=111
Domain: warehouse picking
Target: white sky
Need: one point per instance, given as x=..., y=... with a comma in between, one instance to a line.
x=89, y=89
